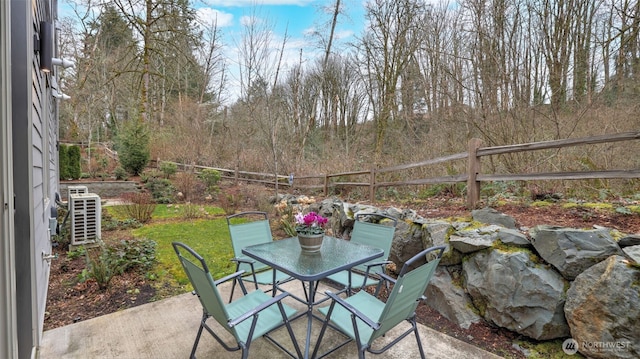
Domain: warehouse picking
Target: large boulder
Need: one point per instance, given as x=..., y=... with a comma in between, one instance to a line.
x=407, y=241
x=571, y=250
x=516, y=293
x=491, y=216
x=603, y=312
x=473, y=240
x=450, y=299
x=436, y=233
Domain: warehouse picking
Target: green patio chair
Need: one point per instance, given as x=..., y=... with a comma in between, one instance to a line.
x=252, y=316
x=246, y=229
x=378, y=235
x=364, y=318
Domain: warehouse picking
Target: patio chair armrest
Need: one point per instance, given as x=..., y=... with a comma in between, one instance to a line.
x=243, y=260
x=258, y=309
x=376, y=264
x=387, y=278
x=237, y=274
x=353, y=310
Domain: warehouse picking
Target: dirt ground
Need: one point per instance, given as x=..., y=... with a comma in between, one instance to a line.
x=70, y=300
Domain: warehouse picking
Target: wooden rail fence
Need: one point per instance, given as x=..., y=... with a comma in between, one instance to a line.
x=473, y=177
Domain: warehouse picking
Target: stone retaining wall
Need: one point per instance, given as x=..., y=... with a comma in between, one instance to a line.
x=104, y=189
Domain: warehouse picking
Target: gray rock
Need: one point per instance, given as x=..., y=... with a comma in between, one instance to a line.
x=571, y=250
x=491, y=216
x=450, y=300
x=630, y=240
x=436, y=233
x=603, y=312
x=513, y=237
x=632, y=253
x=473, y=240
x=470, y=244
x=515, y=293
x=407, y=241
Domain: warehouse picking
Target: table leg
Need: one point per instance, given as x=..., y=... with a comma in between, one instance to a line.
x=311, y=298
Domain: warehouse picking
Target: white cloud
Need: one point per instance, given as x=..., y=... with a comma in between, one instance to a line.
x=208, y=16
x=244, y=3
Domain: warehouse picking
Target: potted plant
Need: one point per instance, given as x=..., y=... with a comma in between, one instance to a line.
x=310, y=231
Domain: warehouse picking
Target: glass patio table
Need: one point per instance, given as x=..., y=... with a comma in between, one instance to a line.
x=335, y=255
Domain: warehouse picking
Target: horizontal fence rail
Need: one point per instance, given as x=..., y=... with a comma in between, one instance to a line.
x=473, y=177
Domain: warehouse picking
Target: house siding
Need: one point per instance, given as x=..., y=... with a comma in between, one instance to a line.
x=34, y=165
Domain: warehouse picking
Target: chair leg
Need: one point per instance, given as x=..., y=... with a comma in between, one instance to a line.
x=415, y=329
x=195, y=343
x=233, y=288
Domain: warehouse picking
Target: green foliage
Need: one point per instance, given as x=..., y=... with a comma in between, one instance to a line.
x=73, y=158
x=161, y=189
x=63, y=160
x=140, y=206
x=210, y=177
x=121, y=174
x=103, y=264
x=133, y=148
x=69, y=162
x=168, y=168
x=137, y=254
x=113, y=224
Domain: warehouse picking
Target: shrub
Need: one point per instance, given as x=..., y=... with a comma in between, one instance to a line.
x=210, y=177
x=69, y=162
x=148, y=175
x=139, y=206
x=185, y=183
x=168, y=168
x=102, y=265
x=63, y=160
x=230, y=202
x=73, y=162
x=121, y=174
x=133, y=149
x=161, y=189
x=137, y=254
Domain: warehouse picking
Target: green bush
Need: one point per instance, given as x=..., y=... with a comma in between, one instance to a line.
x=103, y=264
x=161, y=189
x=210, y=177
x=137, y=254
x=69, y=162
x=168, y=168
x=133, y=148
x=121, y=174
x=73, y=161
x=63, y=159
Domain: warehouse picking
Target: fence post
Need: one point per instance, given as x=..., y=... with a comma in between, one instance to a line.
x=326, y=185
x=473, y=169
x=372, y=186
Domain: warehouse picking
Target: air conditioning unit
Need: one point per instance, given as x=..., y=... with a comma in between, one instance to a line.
x=76, y=190
x=85, y=210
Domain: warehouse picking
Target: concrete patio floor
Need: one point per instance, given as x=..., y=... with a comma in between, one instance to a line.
x=167, y=329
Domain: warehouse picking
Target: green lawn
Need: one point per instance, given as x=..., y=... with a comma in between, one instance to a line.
x=209, y=237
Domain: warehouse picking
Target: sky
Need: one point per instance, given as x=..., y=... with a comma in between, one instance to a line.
x=297, y=18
